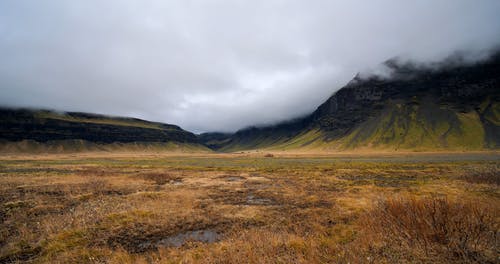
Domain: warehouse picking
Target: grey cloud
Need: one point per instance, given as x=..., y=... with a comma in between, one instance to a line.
x=219, y=64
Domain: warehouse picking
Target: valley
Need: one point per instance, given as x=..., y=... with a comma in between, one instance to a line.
x=257, y=206
x=252, y=132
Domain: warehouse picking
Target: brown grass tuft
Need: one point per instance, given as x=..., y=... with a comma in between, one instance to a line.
x=160, y=178
x=431, y=229
x=485, y=177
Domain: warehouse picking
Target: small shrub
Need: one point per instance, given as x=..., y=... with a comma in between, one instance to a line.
x=485, y=177
x=160, y=178
x=97, y=186
x=434, y=228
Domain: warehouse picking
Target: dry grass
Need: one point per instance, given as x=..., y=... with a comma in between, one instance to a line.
x=251, y=209
x=160, y=178
x=432, y=229
x=489, y=175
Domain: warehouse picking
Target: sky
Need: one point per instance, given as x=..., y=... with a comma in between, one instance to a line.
x=219, y=65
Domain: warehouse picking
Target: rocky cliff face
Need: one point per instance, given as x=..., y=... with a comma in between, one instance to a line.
x=443, y=107
x=462, y=88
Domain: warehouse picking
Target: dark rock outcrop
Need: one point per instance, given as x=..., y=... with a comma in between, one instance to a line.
x=43, y=126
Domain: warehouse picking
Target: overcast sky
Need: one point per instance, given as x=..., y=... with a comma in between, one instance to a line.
x=219, y=65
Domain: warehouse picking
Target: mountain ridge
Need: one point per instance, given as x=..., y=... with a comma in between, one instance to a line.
x=454, y=107
x=35, y=130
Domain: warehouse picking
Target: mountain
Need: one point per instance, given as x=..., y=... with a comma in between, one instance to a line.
x=448, y=106
x=40, y=130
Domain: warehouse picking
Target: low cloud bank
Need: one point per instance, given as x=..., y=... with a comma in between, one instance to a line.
x=220, y=65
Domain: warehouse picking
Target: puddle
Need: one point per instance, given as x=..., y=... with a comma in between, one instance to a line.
x=258, y=186
x=176, y=182
x=232, y=178
x=205, y=236
x=257, y=201
x=259, y=179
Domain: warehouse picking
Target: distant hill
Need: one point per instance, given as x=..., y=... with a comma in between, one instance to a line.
x=214, y=140
x=39, y=130
x=448, y=107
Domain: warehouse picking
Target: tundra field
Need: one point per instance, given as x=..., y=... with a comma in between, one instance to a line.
x=250, y=208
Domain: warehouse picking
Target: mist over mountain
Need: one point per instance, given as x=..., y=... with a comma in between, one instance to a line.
x=449, y=105
x=454, y=106
x=220, y=65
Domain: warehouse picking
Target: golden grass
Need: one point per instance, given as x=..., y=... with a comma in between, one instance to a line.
x=248, y=208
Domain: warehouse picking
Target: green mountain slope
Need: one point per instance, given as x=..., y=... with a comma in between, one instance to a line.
x=453, y=108
x=419, y=127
